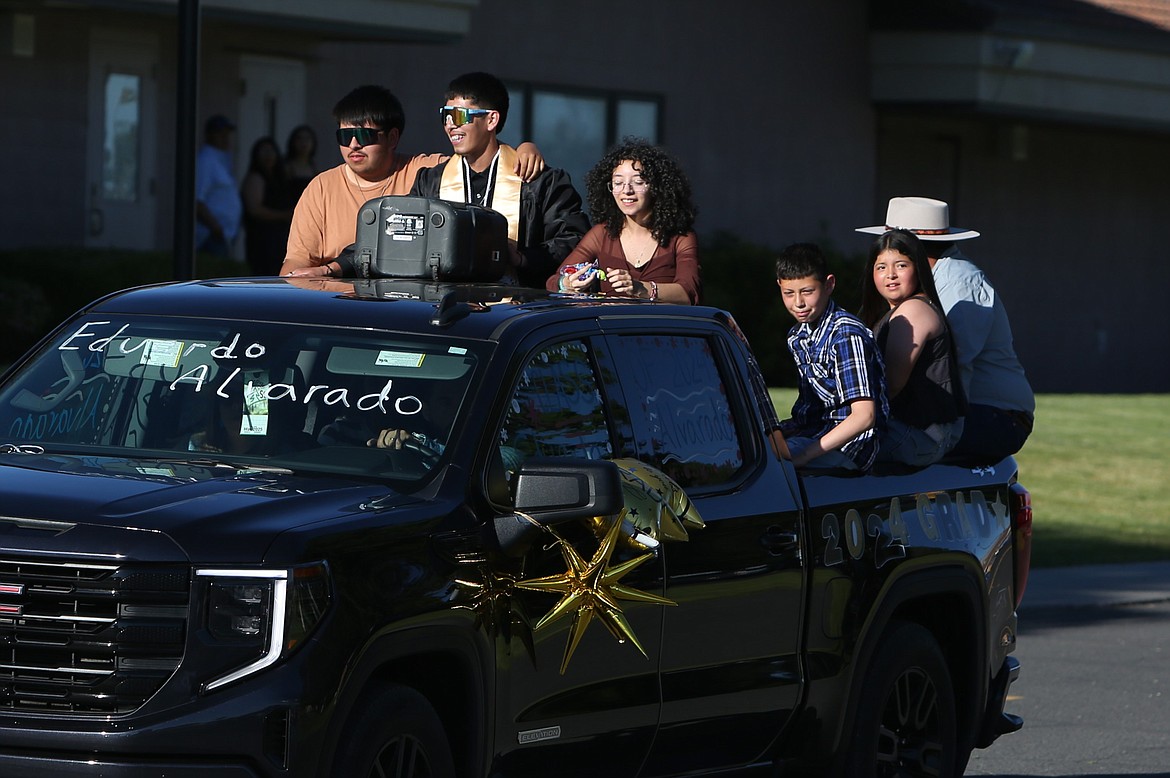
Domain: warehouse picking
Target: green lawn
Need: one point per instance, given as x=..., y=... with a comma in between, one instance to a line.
x=1097, y=467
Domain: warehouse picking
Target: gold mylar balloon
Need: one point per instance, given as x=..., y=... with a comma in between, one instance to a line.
x=656, y=503
x=592, y=589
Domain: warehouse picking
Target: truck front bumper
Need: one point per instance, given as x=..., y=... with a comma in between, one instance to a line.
x=254, y=729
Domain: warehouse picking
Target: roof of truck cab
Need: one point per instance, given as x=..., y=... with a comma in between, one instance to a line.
x=472, y=310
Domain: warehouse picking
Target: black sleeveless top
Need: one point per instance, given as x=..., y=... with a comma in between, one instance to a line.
x=932, y=394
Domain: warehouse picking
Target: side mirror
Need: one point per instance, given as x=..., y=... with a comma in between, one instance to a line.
x=555, y=490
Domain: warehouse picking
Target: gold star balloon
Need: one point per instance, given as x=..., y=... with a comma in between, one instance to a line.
x=592, y=589
x=496, y=610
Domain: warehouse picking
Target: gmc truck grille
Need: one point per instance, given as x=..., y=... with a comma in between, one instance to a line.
x=86, y=638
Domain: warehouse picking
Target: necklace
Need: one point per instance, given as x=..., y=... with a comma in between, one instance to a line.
x=638, y=255
x=365, y=193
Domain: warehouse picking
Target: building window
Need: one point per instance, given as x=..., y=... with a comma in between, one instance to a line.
x=574, y=127
x=120, y=137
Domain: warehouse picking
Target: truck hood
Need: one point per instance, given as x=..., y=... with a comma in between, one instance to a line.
x=164, y=510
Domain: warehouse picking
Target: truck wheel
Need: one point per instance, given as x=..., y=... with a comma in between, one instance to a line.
x=397, y=735
x=905, y=723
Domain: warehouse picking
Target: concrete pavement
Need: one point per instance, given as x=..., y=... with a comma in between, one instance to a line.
x=1096, y=586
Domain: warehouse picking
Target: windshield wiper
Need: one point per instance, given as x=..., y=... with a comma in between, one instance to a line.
x=232, y=465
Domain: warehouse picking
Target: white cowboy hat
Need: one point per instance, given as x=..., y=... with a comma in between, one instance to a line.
x=928, y=219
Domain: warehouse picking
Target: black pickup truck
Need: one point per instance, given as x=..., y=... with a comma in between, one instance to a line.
x=277, y=527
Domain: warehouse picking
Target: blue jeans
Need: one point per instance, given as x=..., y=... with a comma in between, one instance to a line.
x=914, y=446
x=829, y=459
x=989, y=434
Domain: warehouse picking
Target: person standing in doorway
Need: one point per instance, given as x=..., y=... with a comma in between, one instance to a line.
x=218, y=208
x=267, y=208
x=300, y=164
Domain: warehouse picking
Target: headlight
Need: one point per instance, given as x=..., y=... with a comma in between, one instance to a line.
x=254, y=617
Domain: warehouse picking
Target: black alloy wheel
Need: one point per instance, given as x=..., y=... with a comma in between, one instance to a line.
x=905, y=725
x=397, y=734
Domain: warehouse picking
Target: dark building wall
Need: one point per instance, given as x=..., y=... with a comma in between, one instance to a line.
x=765, y=104
x=48, y=128
x=1070, y=236
x=44, y=137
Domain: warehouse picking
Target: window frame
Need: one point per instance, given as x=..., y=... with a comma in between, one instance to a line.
x=611, y=98
x=731, y=373
x=580, y=160
x=601, y=364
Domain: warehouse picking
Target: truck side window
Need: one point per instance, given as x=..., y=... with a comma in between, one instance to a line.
x=679, y=408
x=556, y=410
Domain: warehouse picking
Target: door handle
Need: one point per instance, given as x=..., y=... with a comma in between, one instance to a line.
x=779, y=541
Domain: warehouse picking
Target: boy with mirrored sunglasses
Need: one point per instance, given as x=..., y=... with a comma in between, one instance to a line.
x=545, y=215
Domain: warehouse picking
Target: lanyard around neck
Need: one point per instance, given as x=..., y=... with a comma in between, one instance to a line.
x=487, y=192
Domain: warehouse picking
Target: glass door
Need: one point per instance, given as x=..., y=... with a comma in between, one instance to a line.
x=121, y=190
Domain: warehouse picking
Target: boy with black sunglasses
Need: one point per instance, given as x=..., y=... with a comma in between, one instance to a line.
x=370, y=121
x=545, y=216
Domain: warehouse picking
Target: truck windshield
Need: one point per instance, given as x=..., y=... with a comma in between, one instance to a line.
x=339, y=400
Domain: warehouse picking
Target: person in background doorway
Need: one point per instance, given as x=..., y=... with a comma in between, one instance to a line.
x=300, y=164
x=267, y=209
x=218, y=208
x=643, y=243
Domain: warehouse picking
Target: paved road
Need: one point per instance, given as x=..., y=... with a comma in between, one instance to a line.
x=1094, y=689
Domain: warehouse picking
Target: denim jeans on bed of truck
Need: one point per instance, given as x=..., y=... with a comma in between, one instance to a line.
x=829, y=459
x=914, y=446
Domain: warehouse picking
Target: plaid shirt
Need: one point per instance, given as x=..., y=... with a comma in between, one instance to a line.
x=838, y=363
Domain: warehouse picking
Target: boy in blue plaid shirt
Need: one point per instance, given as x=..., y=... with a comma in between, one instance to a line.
x=842, y=403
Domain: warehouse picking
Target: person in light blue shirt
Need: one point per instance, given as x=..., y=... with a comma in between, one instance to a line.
x=218, y=207
x=1001, y=404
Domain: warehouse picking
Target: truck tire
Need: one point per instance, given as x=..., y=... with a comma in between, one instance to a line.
x=396, y=735
x=905, y=722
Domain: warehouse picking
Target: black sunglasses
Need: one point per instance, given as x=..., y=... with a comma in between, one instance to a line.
x=365, y=135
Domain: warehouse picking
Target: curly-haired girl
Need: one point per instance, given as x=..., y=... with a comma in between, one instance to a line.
x=643, y=244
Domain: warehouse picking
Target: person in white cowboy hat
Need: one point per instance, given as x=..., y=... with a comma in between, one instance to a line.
x=1001, y=404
